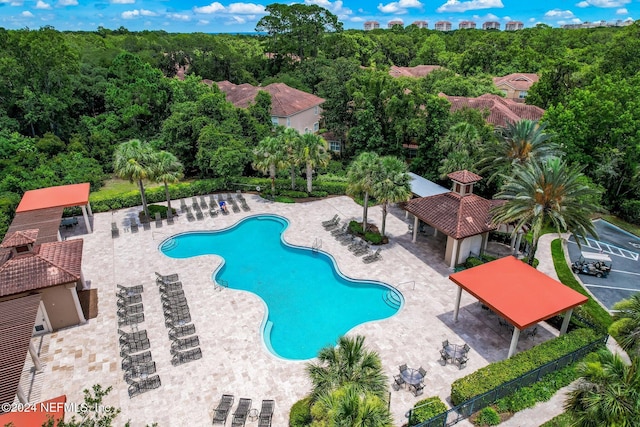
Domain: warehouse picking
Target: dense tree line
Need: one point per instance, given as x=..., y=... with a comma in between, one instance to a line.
x=68, y=98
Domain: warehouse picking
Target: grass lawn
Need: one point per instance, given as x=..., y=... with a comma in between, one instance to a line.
x=115, y=186
x=591, y=309
x=631, y=228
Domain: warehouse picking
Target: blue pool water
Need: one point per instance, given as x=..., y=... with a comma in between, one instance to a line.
x=309, y=302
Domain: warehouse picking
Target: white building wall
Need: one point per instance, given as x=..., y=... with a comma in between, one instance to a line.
x=470, y=245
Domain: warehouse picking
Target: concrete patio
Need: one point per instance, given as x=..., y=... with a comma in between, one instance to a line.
x=235, y=359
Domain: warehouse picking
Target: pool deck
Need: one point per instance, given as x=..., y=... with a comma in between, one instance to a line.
x=235, y=359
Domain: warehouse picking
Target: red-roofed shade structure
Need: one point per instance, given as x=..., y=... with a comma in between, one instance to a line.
x=53, y=408
x=519, y=293
x=62, y=196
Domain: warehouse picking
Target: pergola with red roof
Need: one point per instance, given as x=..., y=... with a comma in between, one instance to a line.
x=63, y=196
x=519, y=293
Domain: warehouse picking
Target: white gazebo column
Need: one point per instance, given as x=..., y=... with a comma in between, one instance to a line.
x=416, y=221
x=565, y=321
x=485, y=241
x=76, y=301
x=59, y=236
x=45, y=316
x=512, y=245
x=454, y=253
x=514, y=342
x=21, y=397
x=456, y=309
x=516, y=248
x=89, y=208
x=34, y=357
x=86, y=218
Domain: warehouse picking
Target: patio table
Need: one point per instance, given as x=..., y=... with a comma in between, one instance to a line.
x=412, y=376
x=454, y=353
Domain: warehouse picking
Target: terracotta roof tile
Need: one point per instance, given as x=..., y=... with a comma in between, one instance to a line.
x=285, y=101
x=464, y=177
x=20, y=238
x=454, y=215
x=50, y=264
x=417, y=71
x=518, y=81
x=501, y=110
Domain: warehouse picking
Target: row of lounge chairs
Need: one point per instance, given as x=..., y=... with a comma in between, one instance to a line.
x=239, y=418
x=356, y=245
x=137, y=364
x=184, y=343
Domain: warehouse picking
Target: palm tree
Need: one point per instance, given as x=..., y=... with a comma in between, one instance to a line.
x=132, y=160
x=461, y=141
x=346, y=407
x=167, y=169
x=549, y=193
x=627, y=324
x=361, y=178
x=269, y=156
x=290, y=138
x=314, y=152
x=607, y=394
x=517, y=143
x=347, y=363
x=392, y=185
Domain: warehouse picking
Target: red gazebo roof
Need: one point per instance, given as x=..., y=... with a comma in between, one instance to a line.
x=518, y=292
x=63, y=196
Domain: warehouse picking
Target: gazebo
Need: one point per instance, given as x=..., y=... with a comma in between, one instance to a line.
x=517, y=292
x=56, y=198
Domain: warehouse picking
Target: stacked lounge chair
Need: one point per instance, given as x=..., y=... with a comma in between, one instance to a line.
x=221, y=412
x=373, y=257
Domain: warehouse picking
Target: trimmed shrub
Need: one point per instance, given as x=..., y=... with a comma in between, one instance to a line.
x=630, y=211
x=300, y=414
x=426, y=409
x=355, y=227
x=473, y=261
x=487, y=417
x=498, y=373
x=536, y=262
x=373, y=238
x=318, y=194
x=283, y=199
x=159, y=208
x=293, y=194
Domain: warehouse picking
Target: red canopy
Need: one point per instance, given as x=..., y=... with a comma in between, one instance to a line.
x=63, y=196
x=518, y=292
x=37, y=413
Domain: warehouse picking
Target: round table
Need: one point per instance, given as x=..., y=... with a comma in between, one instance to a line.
x=411, y=376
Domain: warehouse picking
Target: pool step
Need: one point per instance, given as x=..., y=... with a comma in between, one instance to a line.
x=392, y=299
x=169, y=244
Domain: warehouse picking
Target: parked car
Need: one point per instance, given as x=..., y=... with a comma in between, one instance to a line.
x=593, y=264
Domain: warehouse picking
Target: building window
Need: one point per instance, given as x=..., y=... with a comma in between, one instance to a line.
x=316, y=126
x=457, y=188
x=522, y=94
x=288, y=122
x=274, y=120
x=335, y=146
x=467, y=189
x=315, y=110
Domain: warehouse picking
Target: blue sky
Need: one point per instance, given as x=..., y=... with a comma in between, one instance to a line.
x=229, y=16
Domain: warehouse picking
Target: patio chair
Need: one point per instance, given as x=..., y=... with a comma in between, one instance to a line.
x=244, y=205
x=461, y=360
x=170, y=287
x=332, y=226
x=144, y=385
x=417, y=389
x=135, y=371
x=134, y=347
x=266, y=413
x=169, y=278
x=240, y=415
x=181, y=344
x=357, y=244
x=398, y=382
x=239, y=195
x=465, y=349
x=172, y=324
x=182, y=331
x=373, y=257
x=330, y=221
x=445, y=357
x=131, y=320
x=130, y=290
x=183, y=205
x=114, y=230
x=199, y=215
x=531, y=332
x=445, y=343
x=128, y=337
x=190, y=216
x=173, y=300
x=340, y=231
x=134, y=225
x=422, y=372
x=130, y=309
x=221, y=412
x=346, y=239
x=177, y=313
x=194, y=203
x=177, y=293
x=124, y=300
x=176, y=318
x=213, y=212
x=363, y=249
x=175, y=305
x=136, y=359
x=158, y=219
x=186, y=356
x=203, y=203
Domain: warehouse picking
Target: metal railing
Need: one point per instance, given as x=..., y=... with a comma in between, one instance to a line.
x=465, y=409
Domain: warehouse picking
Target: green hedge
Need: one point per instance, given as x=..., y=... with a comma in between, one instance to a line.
x=487, y=417
x=498, y=373
x=426, y=409
x=630, y=211
x=300, y=414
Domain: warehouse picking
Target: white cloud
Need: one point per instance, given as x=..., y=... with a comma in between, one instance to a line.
x=560, y=14
x=357, y=19
x=532, y=19
x=203, y=22
x=27, y=14
x=123, y=1
x=245, y=8
x=336, y=7
x=399, y=7
x=487, y=17
x=622, y=11
x=507, y=18
x=603, y=3
x=42, y=5
x=572, y=21
x=178, y=16
x=67, y=3
x=236, y=20
x=212, y=8
x=131, y=14
x=463, y=6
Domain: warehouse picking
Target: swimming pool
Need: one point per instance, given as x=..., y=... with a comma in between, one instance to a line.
x=309, y=302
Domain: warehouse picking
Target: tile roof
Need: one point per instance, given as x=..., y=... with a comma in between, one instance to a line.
x=501, y=110
x=47, y=221
x=285, y=101
x=456, y=216
x=20, y=238
x=417, y=71
x=17, y=317
x=518, y=81
x=464, y=177
x=49, y=264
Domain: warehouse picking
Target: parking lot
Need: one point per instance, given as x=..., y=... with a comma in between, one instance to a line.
x=624, y=250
